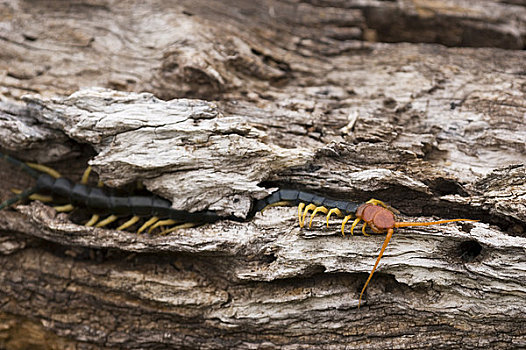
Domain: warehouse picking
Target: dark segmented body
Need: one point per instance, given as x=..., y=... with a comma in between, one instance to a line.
x=295, y=197
x=100, y=201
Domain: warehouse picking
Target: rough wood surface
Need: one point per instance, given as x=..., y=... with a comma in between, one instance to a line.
x=243, y=97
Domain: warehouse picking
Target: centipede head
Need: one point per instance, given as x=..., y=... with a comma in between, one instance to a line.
x=378, y=218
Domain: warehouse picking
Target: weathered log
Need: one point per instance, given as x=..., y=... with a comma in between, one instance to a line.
x=281, y=95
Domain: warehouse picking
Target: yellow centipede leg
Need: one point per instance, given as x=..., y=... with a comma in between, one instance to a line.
x=355, y=222
x=93, y=220
x=40, y=197
x=35, y=196
x=107, y=221
x=345, y=219
x=378, y=202
x=128, y=223
x=147, y=224
x=333, y=211
x=64, y=208
x=85, y=175
x=178, y=227
x=363, y=229
x=305, y=212
x=45, y=169
x=316, y=210
x=277, y=204
x=162, y=223
x=300, y=211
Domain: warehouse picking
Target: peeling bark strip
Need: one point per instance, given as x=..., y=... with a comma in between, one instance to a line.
x=230, y=99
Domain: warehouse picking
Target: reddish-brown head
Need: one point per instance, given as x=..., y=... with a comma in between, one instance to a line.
x=378, y=218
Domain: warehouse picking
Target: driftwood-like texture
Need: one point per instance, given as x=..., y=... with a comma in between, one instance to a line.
x=211, y=105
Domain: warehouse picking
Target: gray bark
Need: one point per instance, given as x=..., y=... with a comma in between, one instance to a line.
x=243, y=98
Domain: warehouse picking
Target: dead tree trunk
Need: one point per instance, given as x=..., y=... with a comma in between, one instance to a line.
x=214, y=104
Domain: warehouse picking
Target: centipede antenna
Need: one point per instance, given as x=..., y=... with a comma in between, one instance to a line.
x=18, y=197
x=386, y=242
x=35, y=174
x=429, y=223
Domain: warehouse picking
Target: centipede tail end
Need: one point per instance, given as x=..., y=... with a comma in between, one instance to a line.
x=18, y=197
x=21, y=165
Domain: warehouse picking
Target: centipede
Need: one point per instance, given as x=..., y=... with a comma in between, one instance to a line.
x=158, y=214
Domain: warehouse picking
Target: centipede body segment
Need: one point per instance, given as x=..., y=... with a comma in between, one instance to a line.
x=50, y=185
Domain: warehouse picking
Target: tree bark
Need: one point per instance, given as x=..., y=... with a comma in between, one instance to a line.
x=213, y=105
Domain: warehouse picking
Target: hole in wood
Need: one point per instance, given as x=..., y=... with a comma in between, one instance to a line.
x=469, y=250
x=269, y=258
